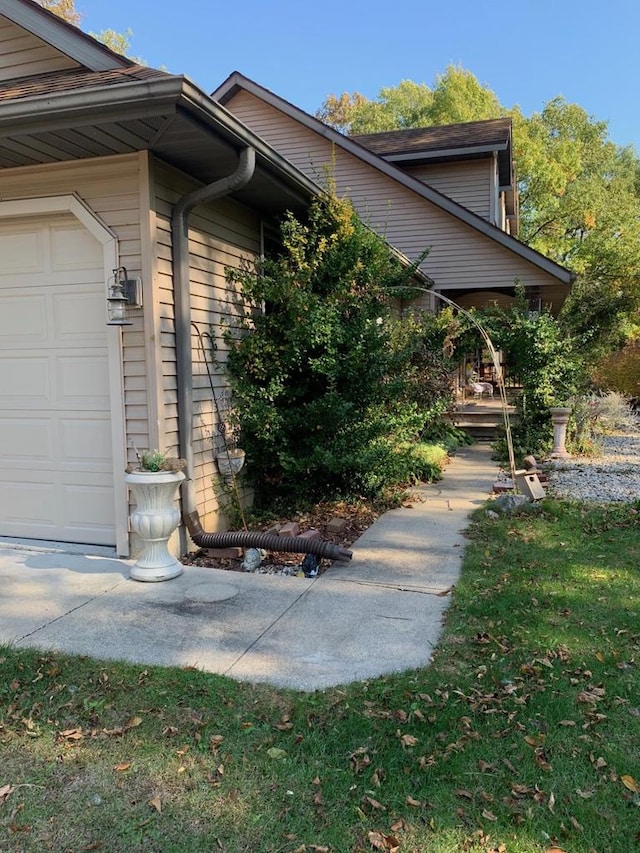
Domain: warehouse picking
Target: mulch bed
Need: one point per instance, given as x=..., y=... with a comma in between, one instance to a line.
x=357, y=518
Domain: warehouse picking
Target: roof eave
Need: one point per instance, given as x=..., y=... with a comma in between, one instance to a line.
x=445, y=153
x=164, y=95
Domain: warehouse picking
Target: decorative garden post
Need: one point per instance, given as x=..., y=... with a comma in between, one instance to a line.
x=559, y=419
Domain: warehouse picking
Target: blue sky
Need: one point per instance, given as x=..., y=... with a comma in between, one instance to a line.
x=527, y=52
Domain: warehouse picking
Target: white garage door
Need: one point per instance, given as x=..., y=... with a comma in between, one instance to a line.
x=56, y=466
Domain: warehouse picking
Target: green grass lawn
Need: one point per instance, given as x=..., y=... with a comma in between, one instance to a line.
x=522, y=736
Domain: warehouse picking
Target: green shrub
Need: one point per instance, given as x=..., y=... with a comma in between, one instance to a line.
x=328, y=381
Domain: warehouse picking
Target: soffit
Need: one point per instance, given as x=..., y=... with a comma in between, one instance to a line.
x=79, y=114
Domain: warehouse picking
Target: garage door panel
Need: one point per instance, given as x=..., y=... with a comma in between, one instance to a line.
x=88, y=509
x=83, y=381
x=78, y=315
x=25, y=440
x=25, y=504
x=22, y=252
x=23, y=319
x=86, y=442
x=25, y=379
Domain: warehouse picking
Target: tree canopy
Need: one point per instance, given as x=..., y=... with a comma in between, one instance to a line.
x=66, y=9
x=579, y=192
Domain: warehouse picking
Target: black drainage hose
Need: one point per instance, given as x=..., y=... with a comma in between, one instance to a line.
x=267, y=541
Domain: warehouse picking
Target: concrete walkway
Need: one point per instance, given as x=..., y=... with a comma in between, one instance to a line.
x=380, y=613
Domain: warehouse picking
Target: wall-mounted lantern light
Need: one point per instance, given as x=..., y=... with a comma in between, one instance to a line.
x=121, y=293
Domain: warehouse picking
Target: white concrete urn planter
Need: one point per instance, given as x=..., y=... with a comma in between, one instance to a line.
x=154, y=519
x=559, y=419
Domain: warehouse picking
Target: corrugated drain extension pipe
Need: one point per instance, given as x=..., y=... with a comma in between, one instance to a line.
x=184, y=365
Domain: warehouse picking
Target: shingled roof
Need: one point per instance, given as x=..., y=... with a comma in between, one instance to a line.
x=73, y=79
x=490, y=135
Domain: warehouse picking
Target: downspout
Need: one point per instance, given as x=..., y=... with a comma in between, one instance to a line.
x=184, y=366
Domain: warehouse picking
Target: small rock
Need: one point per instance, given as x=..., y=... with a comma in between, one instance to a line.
x=252, y=559
x=336, y=525
x=310, y=535
x=492, y=515
x=511, y=503
x=291, y=528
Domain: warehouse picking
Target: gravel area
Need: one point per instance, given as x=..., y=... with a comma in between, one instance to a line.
x=612, y=477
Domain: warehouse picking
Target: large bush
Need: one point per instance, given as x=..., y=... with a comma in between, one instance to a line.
x=328, y=383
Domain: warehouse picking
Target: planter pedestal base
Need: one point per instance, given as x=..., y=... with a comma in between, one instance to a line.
x=559, y=419
x=154, y=519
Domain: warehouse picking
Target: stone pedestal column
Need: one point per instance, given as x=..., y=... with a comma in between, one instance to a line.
x=559, y=419
x=154, y=519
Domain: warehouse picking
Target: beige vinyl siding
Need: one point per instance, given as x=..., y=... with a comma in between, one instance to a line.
x=221, y=234
x=459, y=256
x=23, y=55
x=109, y=186
x=467, y=182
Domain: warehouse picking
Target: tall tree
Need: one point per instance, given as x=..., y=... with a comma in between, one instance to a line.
x=64, y=9
x=456, y=96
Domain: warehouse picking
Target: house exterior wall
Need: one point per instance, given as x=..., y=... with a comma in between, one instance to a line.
x=23, y=55
x=459, y=257
x=467, y=182
x=221, y=234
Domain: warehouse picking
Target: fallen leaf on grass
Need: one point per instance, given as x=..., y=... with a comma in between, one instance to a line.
x=285, y=724
x=374, y=803
x=276, y=753
x=585, y=795
x=380, y=841
x=124, y=765
x=156, y=804
x=628, y=781
x=466, y=795
x=359, y=760
x=70, y=734
x=487, y=815
x=411, y=802
x=215, y=741
x=5, y=790
x=408, y=740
